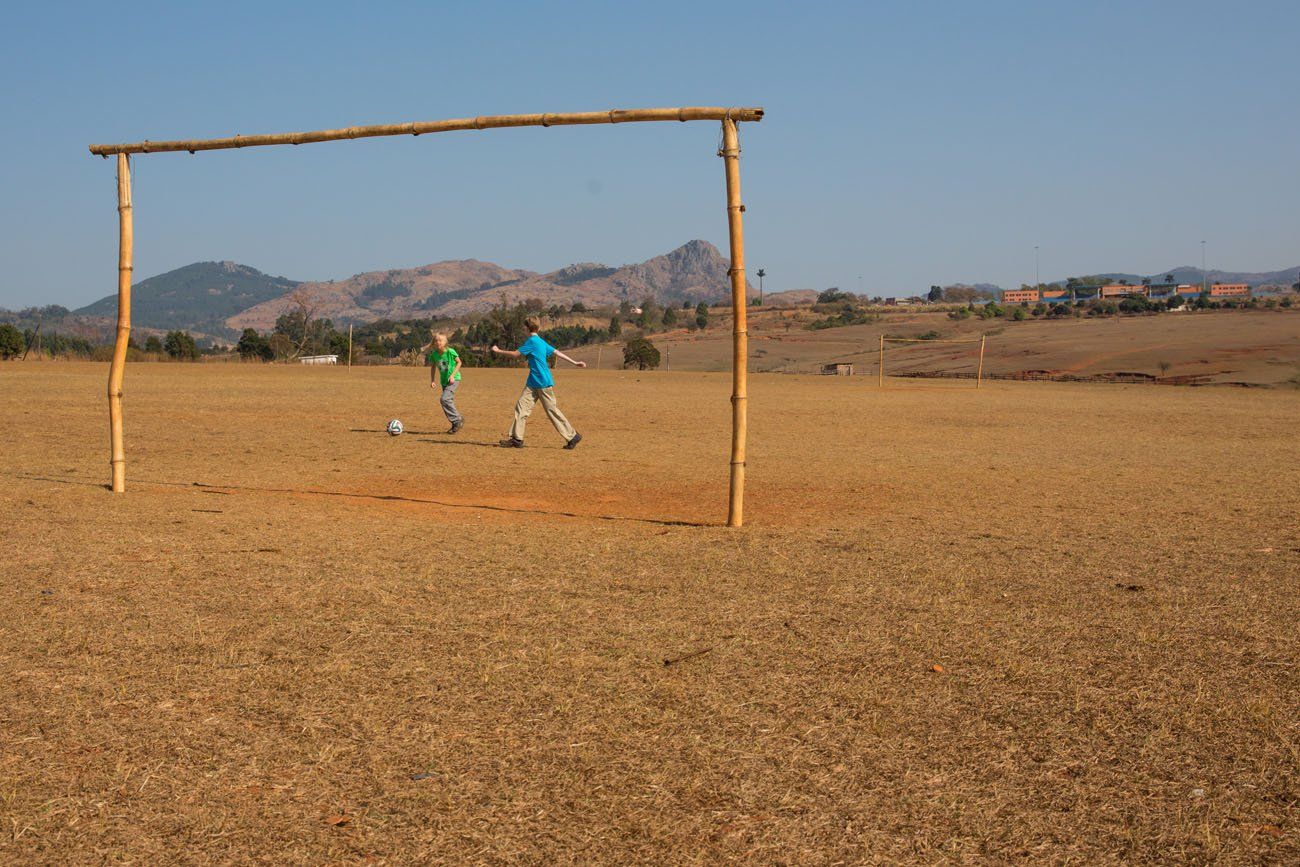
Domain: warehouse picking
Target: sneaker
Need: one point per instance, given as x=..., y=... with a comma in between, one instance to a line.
x=573, y=443
x=456, y=426
x=511, y=443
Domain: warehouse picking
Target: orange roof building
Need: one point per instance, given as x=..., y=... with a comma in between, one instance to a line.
x=1229, y=290
x=1019, y=296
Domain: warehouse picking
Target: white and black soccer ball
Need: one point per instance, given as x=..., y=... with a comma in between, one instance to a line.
x=394, y=428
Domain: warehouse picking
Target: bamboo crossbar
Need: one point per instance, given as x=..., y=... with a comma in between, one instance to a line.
x=923, y=340
x=498, y=121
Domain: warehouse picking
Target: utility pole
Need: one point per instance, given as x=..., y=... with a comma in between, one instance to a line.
x=1205, y=277
x=1038, y=281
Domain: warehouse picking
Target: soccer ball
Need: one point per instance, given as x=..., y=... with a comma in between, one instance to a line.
x=394, y=428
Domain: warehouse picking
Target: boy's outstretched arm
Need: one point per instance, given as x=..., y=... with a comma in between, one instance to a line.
x=510, y=353
x=560, y=354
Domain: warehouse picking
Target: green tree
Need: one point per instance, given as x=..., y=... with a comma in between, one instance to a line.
x=701, y=315
x=11, y=341
x=935, y=294
x=669, y=317
x=615, y=326
x=1018, y=314
x=153, y=344
x=641, y=354
x=650, y=314
x=181, y=346
x=281, y=346
x=253, y=345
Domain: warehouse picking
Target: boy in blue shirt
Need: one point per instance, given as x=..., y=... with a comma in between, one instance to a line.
x=539, y=386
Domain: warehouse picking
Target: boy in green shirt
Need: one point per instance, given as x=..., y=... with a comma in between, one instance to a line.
x=444, y=373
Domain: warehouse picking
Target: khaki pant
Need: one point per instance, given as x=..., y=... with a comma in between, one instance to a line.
x=524, y=408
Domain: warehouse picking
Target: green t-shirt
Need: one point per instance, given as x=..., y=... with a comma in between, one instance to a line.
x=445, y=361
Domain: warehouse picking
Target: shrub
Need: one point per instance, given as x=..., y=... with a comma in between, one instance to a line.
x=11, y=341
x=1018, y=314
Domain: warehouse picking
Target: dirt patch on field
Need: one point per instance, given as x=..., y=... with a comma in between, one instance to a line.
x=1033, y=623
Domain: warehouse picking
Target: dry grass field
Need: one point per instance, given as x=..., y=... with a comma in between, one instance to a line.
x=1258, y=347
x=1035, y=623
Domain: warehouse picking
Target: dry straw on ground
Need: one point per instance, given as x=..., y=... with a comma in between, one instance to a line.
x=1035, y=623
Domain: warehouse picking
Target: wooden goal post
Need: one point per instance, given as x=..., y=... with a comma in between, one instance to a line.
x=730, y=152
x=979, y=367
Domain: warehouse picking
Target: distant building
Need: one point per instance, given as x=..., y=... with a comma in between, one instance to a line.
x=319, y=359
x=1120, y=290
x=1055, y=298
x=1019, y=296
x=839, y=368
x=1229, y=290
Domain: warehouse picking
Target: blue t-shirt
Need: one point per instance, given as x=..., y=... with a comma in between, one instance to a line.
x=538, y=352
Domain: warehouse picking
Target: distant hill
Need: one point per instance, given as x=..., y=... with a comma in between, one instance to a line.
x=695, y=271
x=198, y=297
x=791, y=298
x=219, y=299
x=1188, y=274
x=54, y=318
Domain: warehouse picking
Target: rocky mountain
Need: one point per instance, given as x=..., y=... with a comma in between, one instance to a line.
x=198, y=298
x=396, y=294
x=694, y=271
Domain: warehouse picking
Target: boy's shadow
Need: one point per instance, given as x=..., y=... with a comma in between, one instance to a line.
x=380, y=430
x=452, y=442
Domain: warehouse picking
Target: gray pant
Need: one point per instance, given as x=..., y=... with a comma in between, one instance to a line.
x=524, y=408
x=448, y=401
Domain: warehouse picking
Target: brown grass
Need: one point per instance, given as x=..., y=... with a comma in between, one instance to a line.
x=1036, y=623
x=1259, y=347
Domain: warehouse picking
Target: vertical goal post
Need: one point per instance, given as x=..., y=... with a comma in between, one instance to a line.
x=979, y=364
x=729, y=151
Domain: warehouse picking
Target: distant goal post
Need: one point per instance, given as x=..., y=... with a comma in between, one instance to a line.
x=904, y=343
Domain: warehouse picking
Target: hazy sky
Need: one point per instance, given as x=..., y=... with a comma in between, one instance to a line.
x=905, y=143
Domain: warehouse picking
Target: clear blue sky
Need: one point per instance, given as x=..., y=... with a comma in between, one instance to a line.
x=905, y=144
